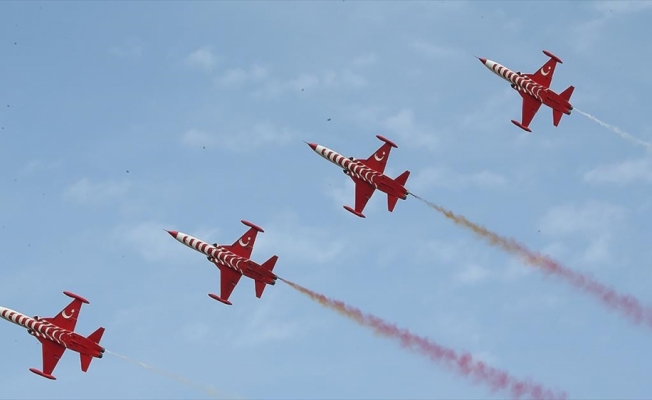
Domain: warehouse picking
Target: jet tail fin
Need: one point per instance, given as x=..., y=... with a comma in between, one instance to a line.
x=85, y=358
x=566, y=95
x=268, y=265
x=392, y=200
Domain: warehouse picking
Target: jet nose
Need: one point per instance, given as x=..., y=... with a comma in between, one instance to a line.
x=312, y=145
x=482, y=60
x=172, y=233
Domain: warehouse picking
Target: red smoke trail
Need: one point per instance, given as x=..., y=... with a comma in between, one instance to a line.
x=461, y=363
x=626, y=304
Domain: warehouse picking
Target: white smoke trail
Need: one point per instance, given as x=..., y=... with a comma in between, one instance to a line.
x=617, y=130
x=206, y=389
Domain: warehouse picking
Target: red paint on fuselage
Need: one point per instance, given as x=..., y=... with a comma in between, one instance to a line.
x=44, y=330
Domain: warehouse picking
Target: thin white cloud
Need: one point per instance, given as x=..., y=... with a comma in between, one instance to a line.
x=595, y=222
x=148, y=239
x=129, y=50
x=622, y=7
x=472, y=274
x=39, y=165
x=365, y=60
x=621, y=173
x=262, y=134
x=299, y=243
x=433, y=50
x=239, y=76
x=588, y=33
x=274, y=88
x=404, y=125
x=592, y=218
x=202, y=58
x=264, y=327
x=446, y=178
x=84, y=191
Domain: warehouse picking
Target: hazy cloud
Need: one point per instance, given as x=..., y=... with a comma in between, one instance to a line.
x=298, y=242
x=261, y=134
x=444, y=177
x=621, y=173
x=85, y=191
x=202, y=58
x=238, y=76
x=365, y=60
x=596, y=222
x=128, y=50
x=148, y=239
x=432, y=50
x=588, y=32
x=273, y=88
x=404, y=125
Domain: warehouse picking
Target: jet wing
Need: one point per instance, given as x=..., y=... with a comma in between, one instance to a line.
x=363, y=192
x=67, y=318
x=543, y=76
x=530, y=108
x=378, y=160
x=229, y=280
x=245, y=244
x=52, y=353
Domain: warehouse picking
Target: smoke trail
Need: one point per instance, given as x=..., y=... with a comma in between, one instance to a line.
x=461, y=363
x=206, y=389
x=625, y=304
x=617, y=130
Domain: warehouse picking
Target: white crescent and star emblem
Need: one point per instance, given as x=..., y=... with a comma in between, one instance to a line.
x=546, y=72
x=379, y=158
x=63, y=314
x=244, y=244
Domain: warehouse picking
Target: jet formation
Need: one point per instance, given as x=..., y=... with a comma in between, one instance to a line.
x=57, y=334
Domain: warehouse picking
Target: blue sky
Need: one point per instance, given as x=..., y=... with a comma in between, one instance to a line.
x=120, y=119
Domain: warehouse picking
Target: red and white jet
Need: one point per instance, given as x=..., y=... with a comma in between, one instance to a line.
x=233, y=261
x=58, y=334
x=535, y=90
x=368, y=175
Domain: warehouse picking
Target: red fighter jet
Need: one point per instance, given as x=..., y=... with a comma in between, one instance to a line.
x=368, y=175
x=535, y=90
x=233, y=261
x=57, y=334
